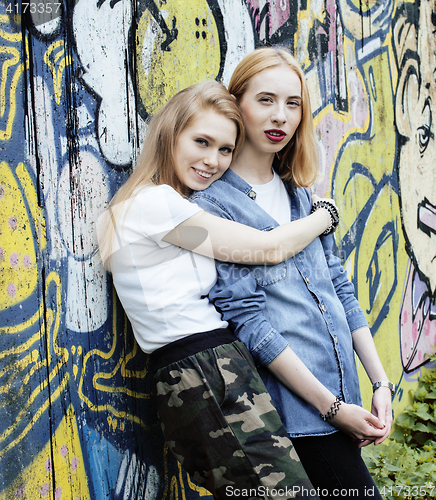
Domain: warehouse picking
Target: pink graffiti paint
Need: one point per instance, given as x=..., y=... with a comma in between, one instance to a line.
x=331, y=10
x=14, y=259
x=58, y=493
x=26, y=261
x=74, y=463
x=427, y=216
x=278, y=14
x=64, y=451
x=416, y=326
x=45, y=488
x=11, y=290
x=1, y=253
x=12, y=223
x=19, y=492
x=415, y=331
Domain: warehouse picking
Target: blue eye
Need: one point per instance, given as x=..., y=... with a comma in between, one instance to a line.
x=202, y=142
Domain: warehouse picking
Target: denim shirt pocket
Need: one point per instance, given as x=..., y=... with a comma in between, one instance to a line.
x=268, y=275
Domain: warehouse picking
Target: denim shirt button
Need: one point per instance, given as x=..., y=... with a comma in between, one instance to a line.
x=322, y=307
x=336, y=340
x=252, y=194
x=307, y=279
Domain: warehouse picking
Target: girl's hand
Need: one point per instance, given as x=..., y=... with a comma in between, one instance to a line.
x=360, y=424
x=382, y=408
x=316, y=198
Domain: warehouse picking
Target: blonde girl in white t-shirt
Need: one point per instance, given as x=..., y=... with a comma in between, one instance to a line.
x=215, y=413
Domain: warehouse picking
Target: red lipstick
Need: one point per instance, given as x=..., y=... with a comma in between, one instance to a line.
x=275, y=135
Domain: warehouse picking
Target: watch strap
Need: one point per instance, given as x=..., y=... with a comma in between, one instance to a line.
x=390, y=385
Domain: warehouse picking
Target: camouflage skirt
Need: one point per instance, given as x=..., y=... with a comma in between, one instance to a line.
x=219, y=422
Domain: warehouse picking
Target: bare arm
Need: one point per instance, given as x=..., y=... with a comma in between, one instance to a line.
x=382, y=399
x=231, y=241
x=353, y=420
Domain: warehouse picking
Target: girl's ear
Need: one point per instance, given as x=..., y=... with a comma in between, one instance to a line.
x=407, y=97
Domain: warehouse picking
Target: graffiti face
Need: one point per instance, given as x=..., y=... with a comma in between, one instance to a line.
x=271, y=109
x=204, y=150
x=416, y=111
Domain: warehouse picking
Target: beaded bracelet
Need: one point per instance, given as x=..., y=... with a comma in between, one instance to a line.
x=334, y=408
x=332, y=210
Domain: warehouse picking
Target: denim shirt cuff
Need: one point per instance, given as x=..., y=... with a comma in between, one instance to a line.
x=270, y=347
x=356, y=319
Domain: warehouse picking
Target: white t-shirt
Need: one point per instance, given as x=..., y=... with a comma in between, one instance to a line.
x=274, y=199
x=163, y=288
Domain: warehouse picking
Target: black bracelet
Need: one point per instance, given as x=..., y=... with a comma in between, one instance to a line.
x=334, y=408
x=332, y=210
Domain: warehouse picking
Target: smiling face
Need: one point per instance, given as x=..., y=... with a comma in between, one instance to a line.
x=271, y=109
x=204, y=150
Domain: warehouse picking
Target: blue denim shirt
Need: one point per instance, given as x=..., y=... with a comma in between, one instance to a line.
x=306, y=302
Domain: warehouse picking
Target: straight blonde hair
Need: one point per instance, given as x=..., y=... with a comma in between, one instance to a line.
x=156, y=164
x=298, y=161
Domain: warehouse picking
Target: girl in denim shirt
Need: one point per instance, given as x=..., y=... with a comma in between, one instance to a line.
x=214, y=409
x=300, y=318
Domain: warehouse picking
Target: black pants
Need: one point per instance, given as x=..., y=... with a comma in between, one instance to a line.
x=335, y=466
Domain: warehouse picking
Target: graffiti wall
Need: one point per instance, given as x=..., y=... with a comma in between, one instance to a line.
x=78, y=80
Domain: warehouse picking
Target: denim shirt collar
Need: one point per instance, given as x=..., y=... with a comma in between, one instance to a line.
x=237, y=182
x=233, y=179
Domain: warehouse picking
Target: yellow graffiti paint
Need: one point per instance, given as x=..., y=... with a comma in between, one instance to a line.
x=378, y=142
x=48, y=326
x=20, y=217
x=55, y=473
x=375, y=251
x=104, y=382
x=364, y=195
x=57, y=62
x=193, y=55
x=12, y=69
x=203, y=492
x=176, y=481
x=178, y=485
x=363, y=7
x=9, y=35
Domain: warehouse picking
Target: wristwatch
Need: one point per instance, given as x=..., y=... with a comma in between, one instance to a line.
x=390, y=385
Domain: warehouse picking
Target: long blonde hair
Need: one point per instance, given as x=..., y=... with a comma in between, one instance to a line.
x=298, y=161
x=156, y=163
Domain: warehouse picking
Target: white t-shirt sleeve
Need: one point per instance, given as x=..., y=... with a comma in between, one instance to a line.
x=158, y=210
